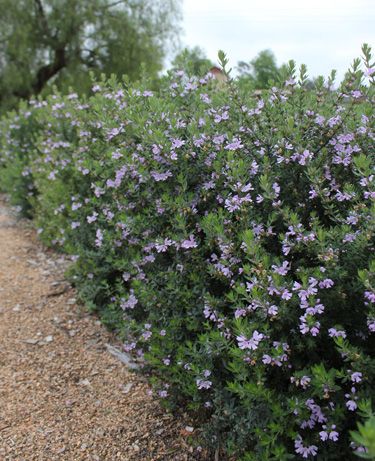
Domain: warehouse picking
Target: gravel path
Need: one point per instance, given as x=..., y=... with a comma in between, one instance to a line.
x=63, y=396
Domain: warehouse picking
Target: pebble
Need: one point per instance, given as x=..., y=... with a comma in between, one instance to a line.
x=126, y=388
x=31, y=341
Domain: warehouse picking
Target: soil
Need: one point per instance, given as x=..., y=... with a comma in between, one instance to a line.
x=63, y=396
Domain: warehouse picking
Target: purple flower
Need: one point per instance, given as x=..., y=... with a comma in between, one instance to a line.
x=205, y=98
x=114, y=132
x=161, y=176
x=349, y=238
x=334, y=435
x=234, y=145
x=240, y=312
x=326, y=283
x=203, y=384
x=163, y=247
x=371, y=325
x=92, y=218
x=333, y=333
x=283, y=269
x=130, y=303
x=351, y=405
x=129, y=346
x=303, y=450
x=356, y=377
x=305, y=382
x=290, y=82
x=99, y=238
x=286, y=294
x=267, y=359
x=146, y=335
x=176, y=143
x=251, y=343
x=273, y=310
x=189, y=243
x=370, y=295
x=76, y=206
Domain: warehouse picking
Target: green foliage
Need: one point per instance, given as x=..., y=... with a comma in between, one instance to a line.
x=365, y=435
x=193, y=61
x=59, y=41
x=260, y=72
x=228, y=237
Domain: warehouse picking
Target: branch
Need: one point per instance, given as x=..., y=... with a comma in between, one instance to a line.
x=48, y=71
x=42, y=17
x=113, y=4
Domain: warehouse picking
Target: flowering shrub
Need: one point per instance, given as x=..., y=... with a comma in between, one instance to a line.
x=228, y=237
x=18, y=133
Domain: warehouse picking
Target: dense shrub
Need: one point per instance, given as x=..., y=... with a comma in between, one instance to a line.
x=228, y=237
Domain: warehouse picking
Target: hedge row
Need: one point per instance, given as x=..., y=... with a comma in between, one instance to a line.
x=228, y=237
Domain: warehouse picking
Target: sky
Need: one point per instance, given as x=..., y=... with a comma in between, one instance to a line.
x=323, y=34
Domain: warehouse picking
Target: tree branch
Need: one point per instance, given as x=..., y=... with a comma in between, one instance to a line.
x=113, y=4
x=48, y=71
x=42, y=17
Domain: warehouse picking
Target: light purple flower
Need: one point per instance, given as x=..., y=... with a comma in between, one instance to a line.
x=305, y=382
x=326, y=283
x=161, y=176
x=92, y=218
x=189, y=243
x=303, y=450
x=356, y=377
x=130, y=303
x=99, y=238
x=333, y=333
x=203, y=384
x=351, y=405
x=234, y=145
x=251, y=343
x=146, y=335
x=283, y=269
x=163, y=247
x=176, y=143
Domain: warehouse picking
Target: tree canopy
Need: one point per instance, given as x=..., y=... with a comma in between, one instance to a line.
x=260, y=70
x=193, y=60
x=59, y=41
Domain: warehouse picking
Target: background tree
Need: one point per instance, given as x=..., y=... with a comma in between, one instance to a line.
x=259, y=71
x=192, y=60
x=59, y=41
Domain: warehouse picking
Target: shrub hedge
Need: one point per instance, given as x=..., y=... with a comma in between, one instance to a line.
x=228, y=237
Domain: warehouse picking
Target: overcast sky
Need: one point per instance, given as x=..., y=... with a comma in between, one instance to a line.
x=323, y=34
